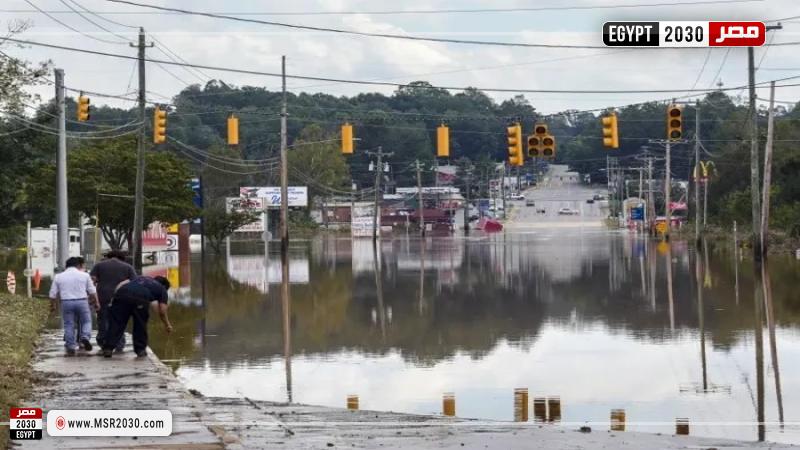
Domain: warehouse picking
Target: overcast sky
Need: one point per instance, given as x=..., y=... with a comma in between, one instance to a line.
x=217, y=42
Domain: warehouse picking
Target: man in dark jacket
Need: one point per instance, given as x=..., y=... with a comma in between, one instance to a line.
x=107, y=275
x=133, y=299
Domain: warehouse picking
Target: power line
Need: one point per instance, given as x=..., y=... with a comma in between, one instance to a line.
x=101, y=17
x=70, y=27
x=388, y=84
x=422, y=11
x=92, y=21
x=351, y=32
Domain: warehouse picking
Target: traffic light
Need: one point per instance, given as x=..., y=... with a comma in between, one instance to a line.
x=233, y=130
x=541, y=144
x=159, y=125
x=443, y=141
x=534, y=143
x=83, y=108
x=674, y=122
x=548, y=146
x=610, y=132
x=515, y=156
x=347, y=139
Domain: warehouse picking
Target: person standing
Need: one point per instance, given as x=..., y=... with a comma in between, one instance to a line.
x=133, y=299
x=74, y=288
x=107, y=275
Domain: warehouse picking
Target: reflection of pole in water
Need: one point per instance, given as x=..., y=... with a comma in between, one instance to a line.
x=652, y=259
x=421, y=276
x=669, y=288
x=759, y=342
x=773, y=345
x=287, y=332
x=698, y=272
x=379, y=288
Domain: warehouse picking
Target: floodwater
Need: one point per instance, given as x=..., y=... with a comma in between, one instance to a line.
x=591, y=321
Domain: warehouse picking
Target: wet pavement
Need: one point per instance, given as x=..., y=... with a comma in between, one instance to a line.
x=589, y=321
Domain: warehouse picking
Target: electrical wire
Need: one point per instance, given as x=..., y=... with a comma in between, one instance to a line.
x=70, y=27
x=211, y=166
x=93, y=22
x=224, y=159
x=424, y=11
x=396, y=85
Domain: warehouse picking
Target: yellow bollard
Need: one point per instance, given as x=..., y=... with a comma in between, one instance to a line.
x=682, y=426
x=352, y=402
x=540, y=409
x=449, y=404
x=617, y=420
x=521, y=405
x=554, y=409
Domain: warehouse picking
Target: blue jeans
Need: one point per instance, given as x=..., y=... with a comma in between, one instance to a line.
x=76, y=312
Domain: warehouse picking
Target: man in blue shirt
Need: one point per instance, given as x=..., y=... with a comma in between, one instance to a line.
x=133, y=299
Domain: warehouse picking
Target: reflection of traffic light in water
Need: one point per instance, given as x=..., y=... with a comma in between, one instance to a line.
x=617, y=420
x=449, y=404
x=540, y=409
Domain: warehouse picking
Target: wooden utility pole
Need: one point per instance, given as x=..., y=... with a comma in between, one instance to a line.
x=378, y=177
x=421, y=205
x=466, y=202
x=138, y=205
x=284, y=165
x=667, y=191
x=767, y=171
x=754, y=187
x=697, y=173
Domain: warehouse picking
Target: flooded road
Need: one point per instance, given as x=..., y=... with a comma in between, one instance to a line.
x=587, y=321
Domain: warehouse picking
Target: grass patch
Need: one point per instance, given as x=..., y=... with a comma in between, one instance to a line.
x=21, y=322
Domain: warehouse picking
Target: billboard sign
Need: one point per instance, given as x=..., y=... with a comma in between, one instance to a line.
x=298, y=195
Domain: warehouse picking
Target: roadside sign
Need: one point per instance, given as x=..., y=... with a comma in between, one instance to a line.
x=661, y=227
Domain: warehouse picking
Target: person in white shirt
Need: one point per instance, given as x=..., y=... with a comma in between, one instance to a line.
x=75, y=289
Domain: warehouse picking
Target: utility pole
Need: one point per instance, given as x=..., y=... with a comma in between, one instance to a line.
x=754, y=187
x=667, y=191
x=767, y=171
x=62, y=217
x=378, y=176
x=503, y=189
x=284, y=166
x=651, y=207
x=697, y=174
x=421, y=205
x=466, y=202
x=138, y=205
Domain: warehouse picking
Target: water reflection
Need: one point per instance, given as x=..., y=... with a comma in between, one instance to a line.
x=604, y=320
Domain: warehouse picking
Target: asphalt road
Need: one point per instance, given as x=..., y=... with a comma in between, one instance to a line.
x=549, y=198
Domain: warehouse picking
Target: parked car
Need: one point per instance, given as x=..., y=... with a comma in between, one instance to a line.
x=516, y=197
x=530, y=202
x=567, y=212
x=598, y=197
x=590, y=201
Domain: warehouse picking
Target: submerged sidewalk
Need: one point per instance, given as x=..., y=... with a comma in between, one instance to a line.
x=125, y=382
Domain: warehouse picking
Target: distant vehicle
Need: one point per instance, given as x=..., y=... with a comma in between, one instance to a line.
x=541, y=211
x=598, y=197
x=590, y=201
x=530, y=202
x=516, y=197
x=567, y=212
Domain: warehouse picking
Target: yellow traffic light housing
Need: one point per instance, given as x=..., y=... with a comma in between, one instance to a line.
x=610, y=131
x=541, y=144
x=674, y=122
x=443, y=141
x=83, y=108
x=233, y=130
x=159, y=125
x=515, y=156
x=548, y=146
x=534, y=144
x=347, y=139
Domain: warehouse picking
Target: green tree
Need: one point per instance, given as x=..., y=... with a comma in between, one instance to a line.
x=101, y=177
x=219, y=224
x=315, y=161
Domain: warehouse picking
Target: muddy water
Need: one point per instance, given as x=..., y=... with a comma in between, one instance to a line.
x=593, y=324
